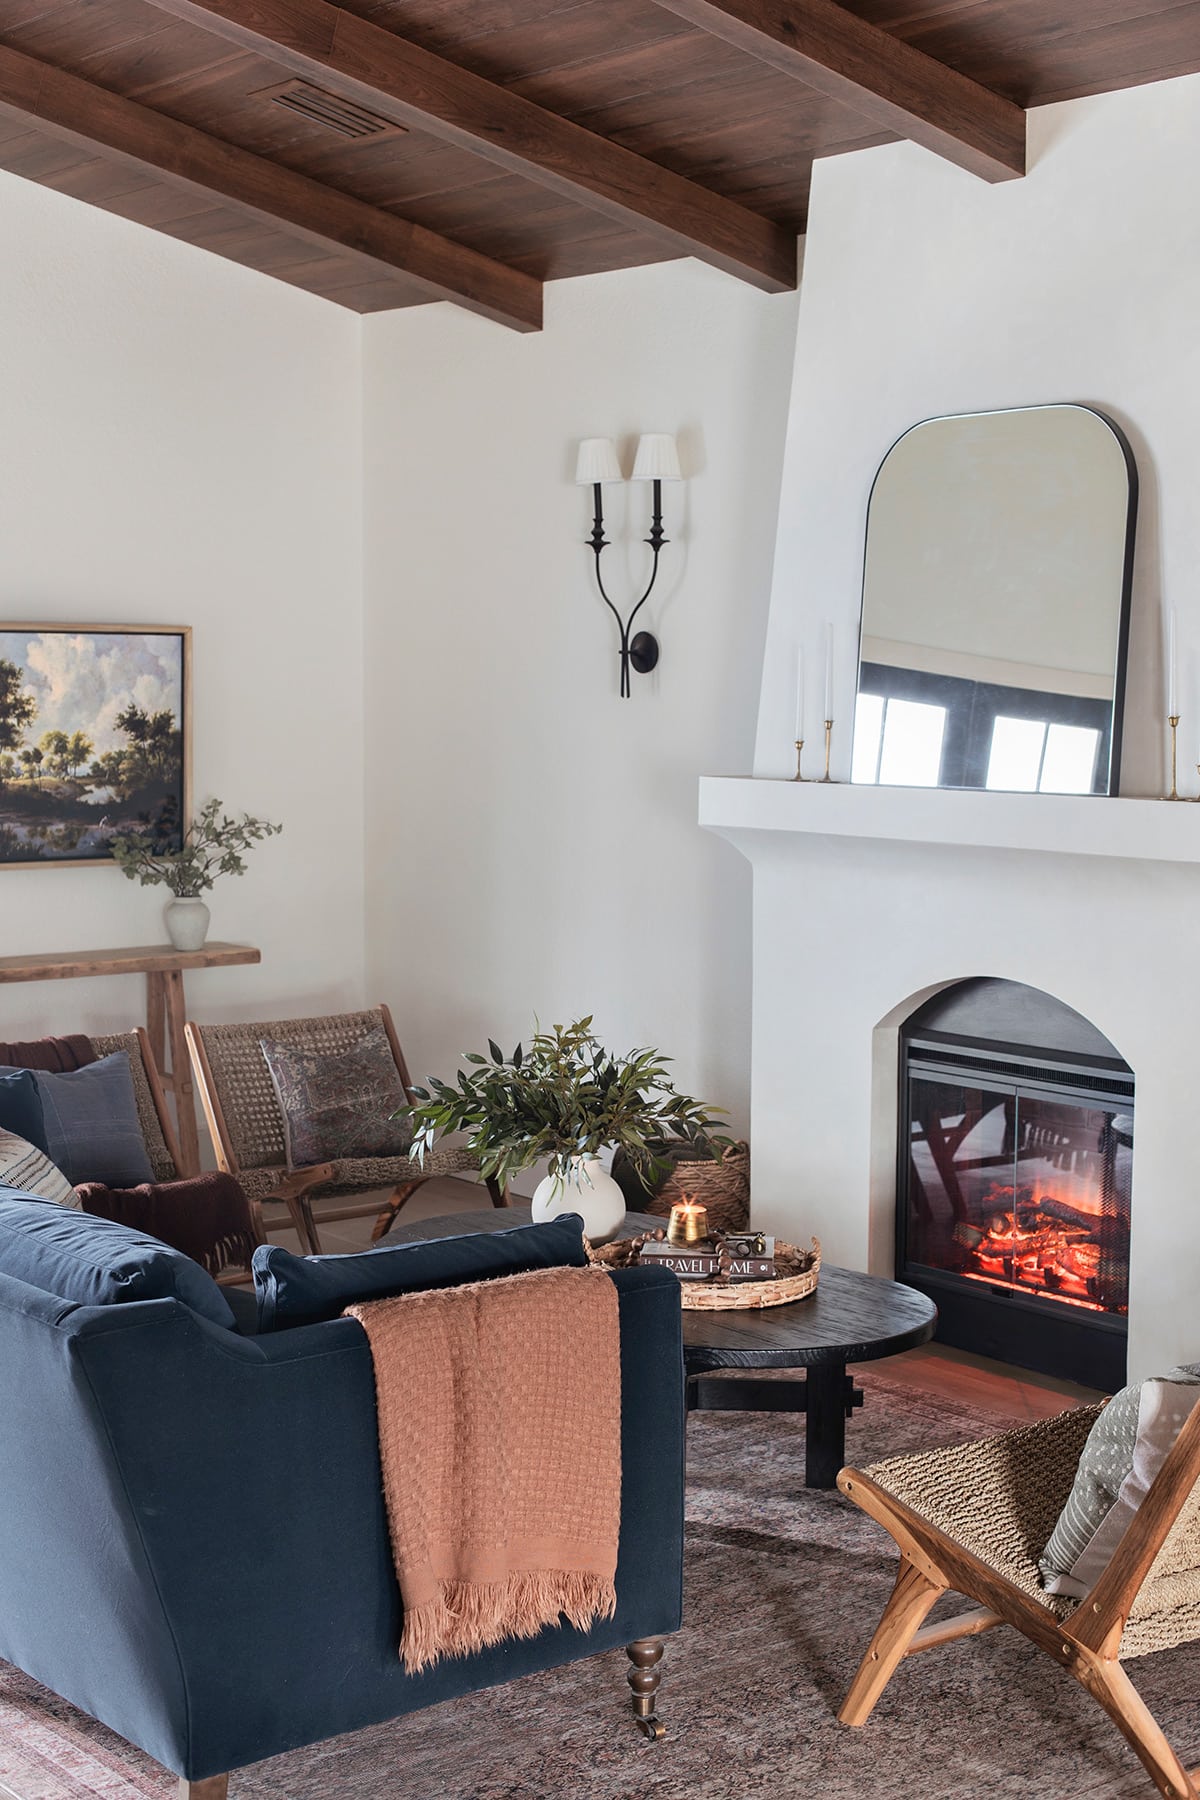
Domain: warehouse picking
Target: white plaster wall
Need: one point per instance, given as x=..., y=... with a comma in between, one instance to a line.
x=531, y=837
x=927, y=292
x=180, y=444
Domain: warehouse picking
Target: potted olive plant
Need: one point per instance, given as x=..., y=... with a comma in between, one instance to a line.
x=213, y=844
x=564, y=1099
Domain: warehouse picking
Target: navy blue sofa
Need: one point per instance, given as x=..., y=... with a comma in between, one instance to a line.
x=193, y=1545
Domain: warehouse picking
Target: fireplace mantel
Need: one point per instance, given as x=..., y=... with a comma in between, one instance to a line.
x=1057, y=824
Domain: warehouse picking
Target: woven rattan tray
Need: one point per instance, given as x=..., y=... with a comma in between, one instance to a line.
x=737, y=1296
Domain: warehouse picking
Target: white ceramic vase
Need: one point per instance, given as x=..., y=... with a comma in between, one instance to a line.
x=187, y=923
x=588, y=1189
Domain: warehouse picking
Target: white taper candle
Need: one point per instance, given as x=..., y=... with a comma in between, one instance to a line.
x=799, y=696
x=1172, y=683
x=828, y=669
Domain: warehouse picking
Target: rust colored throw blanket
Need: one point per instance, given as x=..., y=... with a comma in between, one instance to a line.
x=57, y=1055
x=500, y=1435
x=205, y=1216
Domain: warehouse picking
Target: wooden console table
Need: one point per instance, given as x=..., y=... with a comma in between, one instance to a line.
x=164, y=969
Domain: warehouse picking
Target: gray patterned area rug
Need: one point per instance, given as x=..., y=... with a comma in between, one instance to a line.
x=784, y=1588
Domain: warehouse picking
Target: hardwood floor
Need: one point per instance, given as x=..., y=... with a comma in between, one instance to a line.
x=977, y=1381
x=933, y=1369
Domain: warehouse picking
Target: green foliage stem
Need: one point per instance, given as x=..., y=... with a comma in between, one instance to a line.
x=213, y=845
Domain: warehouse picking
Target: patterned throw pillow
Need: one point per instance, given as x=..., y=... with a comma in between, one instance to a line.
x=23, y=1166
x=338, y=1106
x=1125, y=1449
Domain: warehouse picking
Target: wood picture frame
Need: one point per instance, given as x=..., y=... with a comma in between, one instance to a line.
x=95, y=737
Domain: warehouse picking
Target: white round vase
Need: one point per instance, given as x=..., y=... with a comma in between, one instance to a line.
x=187, y=923
x=588, y=1189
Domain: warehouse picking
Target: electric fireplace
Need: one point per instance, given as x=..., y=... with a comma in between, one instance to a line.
x=1016, y=1152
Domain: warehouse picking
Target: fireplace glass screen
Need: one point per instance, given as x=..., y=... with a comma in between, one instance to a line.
x=1022, y=1191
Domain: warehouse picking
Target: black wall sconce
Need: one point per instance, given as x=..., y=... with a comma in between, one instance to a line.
x=657, y=460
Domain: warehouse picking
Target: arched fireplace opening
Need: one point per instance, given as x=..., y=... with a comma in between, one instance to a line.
x=1014, y=1190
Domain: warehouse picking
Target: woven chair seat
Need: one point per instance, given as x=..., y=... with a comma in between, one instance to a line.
x=364, y=1174
x=1166, y=1611
x=1000, y=1498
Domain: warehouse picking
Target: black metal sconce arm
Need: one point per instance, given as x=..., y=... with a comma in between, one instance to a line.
x=641, y=650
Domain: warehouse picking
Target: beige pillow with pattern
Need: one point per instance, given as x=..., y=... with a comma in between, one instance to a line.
x=24, y=1166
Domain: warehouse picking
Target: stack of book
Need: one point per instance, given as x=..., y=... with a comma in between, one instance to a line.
x=735, y=1260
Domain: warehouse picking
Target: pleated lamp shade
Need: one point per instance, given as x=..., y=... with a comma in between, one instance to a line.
x=597, y=462
x=657, y=459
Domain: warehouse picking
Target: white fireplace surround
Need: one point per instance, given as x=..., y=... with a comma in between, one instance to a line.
x=869, y=900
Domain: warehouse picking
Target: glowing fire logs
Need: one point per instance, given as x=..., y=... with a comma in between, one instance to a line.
x=1044, y=1244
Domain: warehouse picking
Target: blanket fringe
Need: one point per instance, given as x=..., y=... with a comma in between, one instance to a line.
x=230, y=1252
x=468, y=1616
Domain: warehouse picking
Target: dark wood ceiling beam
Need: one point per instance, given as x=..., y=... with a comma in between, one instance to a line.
x=848, y=59
x=81, y=113
x=322, y=41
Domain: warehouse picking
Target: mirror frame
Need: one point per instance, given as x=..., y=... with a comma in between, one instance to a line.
x=1131, y=513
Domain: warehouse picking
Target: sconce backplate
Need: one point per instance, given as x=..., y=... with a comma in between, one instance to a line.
x=643, y=652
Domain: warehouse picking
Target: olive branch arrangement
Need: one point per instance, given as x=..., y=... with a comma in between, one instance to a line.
x=562, y=1097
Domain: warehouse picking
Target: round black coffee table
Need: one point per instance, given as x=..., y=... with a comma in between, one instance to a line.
x=851, y=1318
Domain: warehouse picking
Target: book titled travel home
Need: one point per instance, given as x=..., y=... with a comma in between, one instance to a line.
x=698, y=1265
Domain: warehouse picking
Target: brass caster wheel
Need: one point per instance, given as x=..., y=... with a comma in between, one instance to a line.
x=654, y=1729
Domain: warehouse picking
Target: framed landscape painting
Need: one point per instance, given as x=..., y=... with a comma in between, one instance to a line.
x=94, y=739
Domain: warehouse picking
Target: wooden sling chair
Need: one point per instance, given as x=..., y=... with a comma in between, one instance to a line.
x=975, y=1519
x=246, y=1126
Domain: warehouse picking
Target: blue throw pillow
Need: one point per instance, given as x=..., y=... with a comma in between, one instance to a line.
x=92, y=1128
x=300, y=1290
x=21, y=1107
x=96, y=1262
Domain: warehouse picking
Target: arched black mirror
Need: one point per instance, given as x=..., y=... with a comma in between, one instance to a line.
x=996, y=604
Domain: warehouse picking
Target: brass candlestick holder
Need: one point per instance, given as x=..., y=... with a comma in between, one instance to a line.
x=799, y=758
x=1173, y=722
x=828, y=741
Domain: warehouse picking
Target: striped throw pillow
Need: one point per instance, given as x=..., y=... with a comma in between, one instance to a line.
x=1125, y=1449
x=23, y=1166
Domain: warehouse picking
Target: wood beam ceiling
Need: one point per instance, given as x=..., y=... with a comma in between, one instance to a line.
x=844, y=57
x=366, y=62
x=84, y=114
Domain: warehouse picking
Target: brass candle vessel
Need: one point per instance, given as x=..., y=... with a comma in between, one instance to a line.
x=688, y=1224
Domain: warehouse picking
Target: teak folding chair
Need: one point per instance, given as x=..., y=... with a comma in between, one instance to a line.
x=975, y=1519
x=246, y=1126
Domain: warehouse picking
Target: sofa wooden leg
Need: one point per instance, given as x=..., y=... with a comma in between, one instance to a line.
x=215, y=1788
x=644, y=1679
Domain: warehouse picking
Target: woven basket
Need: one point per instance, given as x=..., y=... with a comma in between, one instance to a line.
x=734, y=1296
x=722, y=1185
x=741, y=1296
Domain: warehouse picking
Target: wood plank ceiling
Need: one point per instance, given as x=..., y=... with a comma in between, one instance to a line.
x=500, y=144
